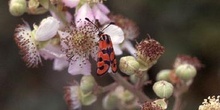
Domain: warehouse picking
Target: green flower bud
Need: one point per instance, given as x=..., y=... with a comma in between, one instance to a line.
x=163, y=75
x=110, y=102
x=162, y=103
x=163, y=89
x=33, y=4
x=186, y=71
x=88, y=99
x=128, y=65
x=127, y=96
x=87, y=83
x=134, y=78
x=17, y=7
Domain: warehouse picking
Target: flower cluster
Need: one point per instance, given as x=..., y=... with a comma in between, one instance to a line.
x=212, y=103
x=73, y=39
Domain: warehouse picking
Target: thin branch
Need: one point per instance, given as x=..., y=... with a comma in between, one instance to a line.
x=120, y=80
x=179, y=91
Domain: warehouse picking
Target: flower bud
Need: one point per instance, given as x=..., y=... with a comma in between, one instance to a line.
x=110, y=102
x=87, y=83
x=127, y=96
x=128, y=65
x=163, y=89
x=47, y=29
x=164, y=75
x=134, y=78
x=148, y=52
x=186, y=71
x=88, y=99
x=17, y=7
x=33, y=4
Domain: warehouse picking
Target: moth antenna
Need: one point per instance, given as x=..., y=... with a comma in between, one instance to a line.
x=87, y=19
x=111, y=23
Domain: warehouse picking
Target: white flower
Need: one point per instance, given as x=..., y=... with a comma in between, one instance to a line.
x=81, y=42
x=78, y=44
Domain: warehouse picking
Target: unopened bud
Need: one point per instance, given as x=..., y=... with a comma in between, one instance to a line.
x=33, y=4
x=164, y=75
x=128, y=65
x=110, y=102
x=88, y=99
x=17, y=7
x=163, y=89
x=186, y=71
x=134, y=78
x=87, y=83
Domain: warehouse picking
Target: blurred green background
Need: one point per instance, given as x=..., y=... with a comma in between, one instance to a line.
x=182, y=26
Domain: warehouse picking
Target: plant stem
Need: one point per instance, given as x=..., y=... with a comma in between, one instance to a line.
x=179, y=90
x=120, y=80
x=109, y=87
x=178, y=101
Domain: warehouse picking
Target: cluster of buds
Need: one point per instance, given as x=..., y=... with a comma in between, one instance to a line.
x=77, y=95
x=185, y=69
x=120, y=98
x=148, y=52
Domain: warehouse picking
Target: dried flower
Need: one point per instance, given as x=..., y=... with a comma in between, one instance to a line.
x=129, y=28
x=148, y=52
x=212, y=103
x=28, y=45
x=182, y=59
x=150, y=106
x=33, y=43
x=72, y=96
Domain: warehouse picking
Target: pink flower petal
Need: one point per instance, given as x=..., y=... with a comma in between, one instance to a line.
x=84, y=12
x=71, y=3
x=102, y=17
x=79, y=65
x=64, y=35
x=60, y=64
x=103, y=8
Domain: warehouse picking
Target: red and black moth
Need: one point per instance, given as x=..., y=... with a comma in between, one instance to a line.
x=106, y=54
